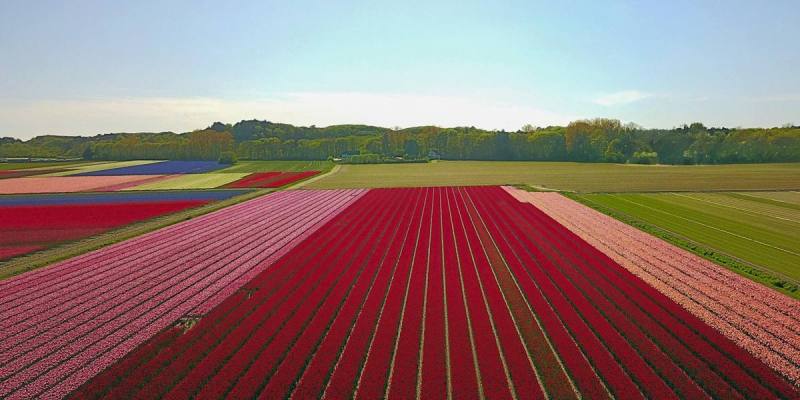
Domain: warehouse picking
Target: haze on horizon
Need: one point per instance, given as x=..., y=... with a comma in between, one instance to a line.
x=90, y=67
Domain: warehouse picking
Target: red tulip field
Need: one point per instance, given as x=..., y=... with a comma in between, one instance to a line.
x=431, y=293
x=33, y=222
x=270, y=179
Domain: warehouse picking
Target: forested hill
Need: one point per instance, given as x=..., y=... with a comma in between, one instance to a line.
x=598, y=140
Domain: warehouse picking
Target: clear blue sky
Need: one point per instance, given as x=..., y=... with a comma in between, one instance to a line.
x=87, y=67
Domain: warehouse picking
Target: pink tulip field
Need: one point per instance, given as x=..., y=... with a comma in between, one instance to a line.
x=71, y=184
x=764, y=322
x=61, y=325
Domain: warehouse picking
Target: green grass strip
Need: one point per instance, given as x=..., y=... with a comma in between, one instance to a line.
x=765, y=200
x=740, y=267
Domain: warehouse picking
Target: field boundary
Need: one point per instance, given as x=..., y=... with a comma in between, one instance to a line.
x=302, y=183
x=754, y=272
x=52, y=255
x=568, y=176
x=667, y=191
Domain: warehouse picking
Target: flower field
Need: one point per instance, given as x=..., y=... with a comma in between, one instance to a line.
x=160, y=168
x=190, y=181
x=761, y=320
x=402, y=293
x=761, y=232
x=147, y=175
x=116, y=197
x=63, y=324
x=27, y=172
x=34, y=222
x=97, y=166
x=270, y=179
x=71, y=184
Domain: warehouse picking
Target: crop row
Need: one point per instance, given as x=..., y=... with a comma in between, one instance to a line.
x=190, y=181
x=160, y=168
x=63, y=324
x=7, y=174
x=749, y=205
x=68, y=184
x=437, y=292
x=116, y=197
x=38, y=227
x=151, y=179
x=767, y=243
x=270, y=179
x=7, y=252
x=762, y=321
x=647, y=310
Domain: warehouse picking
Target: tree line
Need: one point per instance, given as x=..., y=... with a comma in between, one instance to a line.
x=596, y=140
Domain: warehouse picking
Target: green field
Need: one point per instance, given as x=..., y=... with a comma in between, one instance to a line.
x=569, y=176
x=783, y=198
x=747, y=226
x=192, y=181
x=267, y=166
x=5, y=166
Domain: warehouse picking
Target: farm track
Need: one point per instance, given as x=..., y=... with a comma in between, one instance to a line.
x=110, y=300
x=449, y=293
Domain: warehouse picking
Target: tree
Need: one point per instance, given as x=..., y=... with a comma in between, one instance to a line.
x=645, y=157
x=577, y=139
x=374, y=146
x=614, y=152
x=227, y=157
x=411, y=148
x=596, y=140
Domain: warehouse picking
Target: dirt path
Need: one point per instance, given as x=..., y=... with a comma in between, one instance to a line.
x=333, y=170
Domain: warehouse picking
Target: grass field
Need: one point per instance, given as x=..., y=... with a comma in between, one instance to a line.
x=268, y=166
x=5, y=166
x=568, y=176
x=762, y=233
x=787, y=199
x=192, y=181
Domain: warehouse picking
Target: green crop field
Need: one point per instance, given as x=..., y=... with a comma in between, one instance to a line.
x=750, y=227
x=192, y=181
x=5, y=166
x=569, y=176
x=267, y=166
x=782, y=198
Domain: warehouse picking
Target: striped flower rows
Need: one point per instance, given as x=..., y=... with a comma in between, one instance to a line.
x=63, y=324
x=69, y=184
x=761, y=320
x=270, y=179
x=437, y=292
x=34, y=222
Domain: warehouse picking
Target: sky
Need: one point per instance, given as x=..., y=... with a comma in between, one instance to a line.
x=90, y=67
